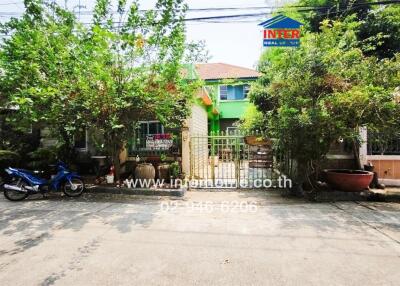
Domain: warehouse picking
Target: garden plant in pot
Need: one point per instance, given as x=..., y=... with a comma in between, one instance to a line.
x=175, y=173
x=163, y=168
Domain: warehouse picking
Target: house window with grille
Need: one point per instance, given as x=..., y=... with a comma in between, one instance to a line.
x=223, y=92
x=233, y=92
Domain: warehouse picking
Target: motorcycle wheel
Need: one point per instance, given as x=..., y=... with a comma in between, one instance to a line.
x=15, y=196
x=74, y=188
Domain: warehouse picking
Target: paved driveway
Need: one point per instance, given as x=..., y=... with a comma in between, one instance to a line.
x=206, y=239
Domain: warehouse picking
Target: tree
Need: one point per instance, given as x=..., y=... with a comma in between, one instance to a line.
x=381, y=28
x=108, y=76
x=197, y=52
x=379, y=24
x=333, y=10
x=134, y=70
x=38, y=66
x=325, y=90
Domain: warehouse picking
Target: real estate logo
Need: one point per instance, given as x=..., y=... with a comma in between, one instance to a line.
x=281, y=31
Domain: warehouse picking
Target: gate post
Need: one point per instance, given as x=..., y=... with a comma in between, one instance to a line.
x=186, y=150
x=363, y=152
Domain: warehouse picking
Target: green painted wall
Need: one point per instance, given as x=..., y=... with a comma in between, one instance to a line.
x=232, y=109
x=228, y=109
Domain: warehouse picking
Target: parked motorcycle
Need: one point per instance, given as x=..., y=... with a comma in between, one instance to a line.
x=19, y=183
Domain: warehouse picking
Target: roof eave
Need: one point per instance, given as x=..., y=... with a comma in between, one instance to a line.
x=232, y=78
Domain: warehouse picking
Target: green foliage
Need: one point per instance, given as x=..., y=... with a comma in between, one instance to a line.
x=197, y=52
x=163, y=157
x=381, y=29
x=68, y=76
x=252, y=120
x=43, y=157
x=331, y=9
x=175, y=170
x=38, y=64
x=379, y=32
x=325, y=90
x=6, y=155
x=7, y=159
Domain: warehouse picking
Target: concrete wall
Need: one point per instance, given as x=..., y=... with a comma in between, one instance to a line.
x=387, y=167
x=198, y=121
x=196, y=124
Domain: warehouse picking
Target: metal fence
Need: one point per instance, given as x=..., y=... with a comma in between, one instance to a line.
x=232, y=160
x=378, y=145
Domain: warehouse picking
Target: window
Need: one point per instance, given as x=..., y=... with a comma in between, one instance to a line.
x=223, y=92
x=81, y=140
x=150, y=128
x=233, y=92
x=151, y=136
x=246, y=89
x=232, y=130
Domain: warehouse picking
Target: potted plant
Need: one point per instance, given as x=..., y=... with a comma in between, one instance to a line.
x=163, y=168
x=175, y=172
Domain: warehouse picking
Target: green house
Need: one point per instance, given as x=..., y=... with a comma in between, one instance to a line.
x=228, y=87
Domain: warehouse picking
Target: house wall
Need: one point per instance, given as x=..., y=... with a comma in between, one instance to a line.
x=198, y=120
x=227, y=109
x=232, y=108
x=387, y=167
x=198, y=125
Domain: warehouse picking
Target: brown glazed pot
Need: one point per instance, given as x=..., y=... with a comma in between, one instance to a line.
x=145, y=171
x=257, y=141
x=163, y=171
x=348, y=180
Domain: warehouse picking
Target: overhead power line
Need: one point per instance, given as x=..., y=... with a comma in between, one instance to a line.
x=295, y=7
x=219, y=18
x=11, y=3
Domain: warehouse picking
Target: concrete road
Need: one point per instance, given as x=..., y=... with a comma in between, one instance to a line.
x=207, y=238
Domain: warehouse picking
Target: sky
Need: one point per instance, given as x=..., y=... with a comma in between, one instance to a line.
x=237, y=42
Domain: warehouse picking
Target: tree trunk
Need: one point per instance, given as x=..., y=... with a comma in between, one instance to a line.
x=67, y=148
x=356, y=152
x=116, y=151
x=117, y=163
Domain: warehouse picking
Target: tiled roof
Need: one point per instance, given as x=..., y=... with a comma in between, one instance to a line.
x=224, y=71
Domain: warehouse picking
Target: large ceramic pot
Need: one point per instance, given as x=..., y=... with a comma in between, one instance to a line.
x=349, y=180
x=163, y=171
x=145, y=171
x=257, y=141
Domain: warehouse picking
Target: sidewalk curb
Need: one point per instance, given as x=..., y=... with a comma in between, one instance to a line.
x=139, y=191
x=386, y=197
x=370, y=195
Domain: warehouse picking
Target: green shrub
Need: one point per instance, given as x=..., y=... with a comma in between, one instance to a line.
x=175, y=170
x=42, y=157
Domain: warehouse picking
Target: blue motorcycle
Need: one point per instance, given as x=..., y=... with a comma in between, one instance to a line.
x=22, y=183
